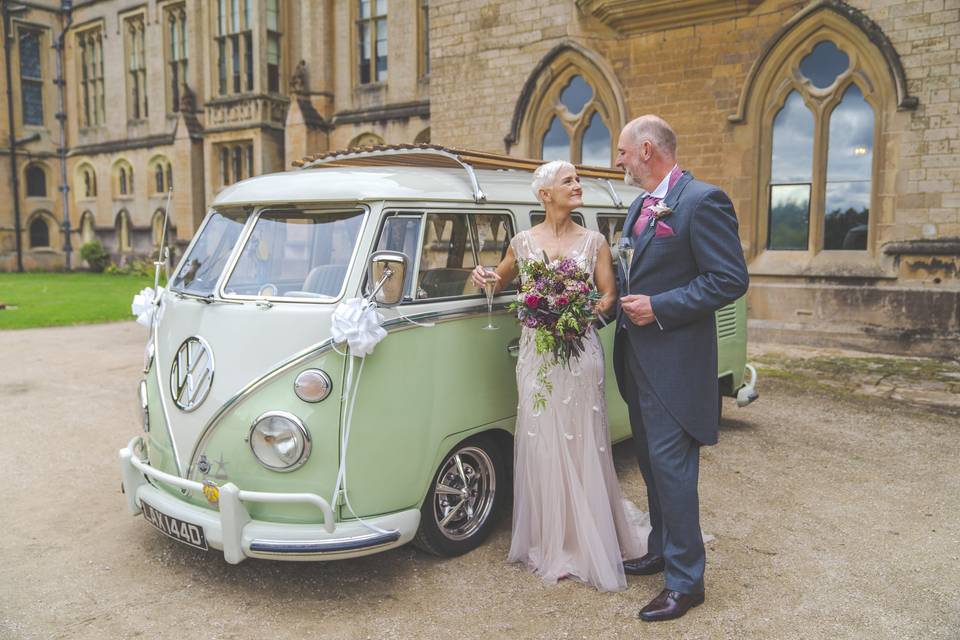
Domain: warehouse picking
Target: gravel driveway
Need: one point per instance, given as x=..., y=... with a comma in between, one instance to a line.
x=835, y=516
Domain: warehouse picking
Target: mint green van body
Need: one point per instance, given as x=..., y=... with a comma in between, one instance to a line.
x=245, y=414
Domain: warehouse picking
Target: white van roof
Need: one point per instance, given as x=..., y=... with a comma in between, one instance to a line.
x=416, y=173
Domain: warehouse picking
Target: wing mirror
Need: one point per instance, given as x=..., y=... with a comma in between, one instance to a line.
x=386, y=273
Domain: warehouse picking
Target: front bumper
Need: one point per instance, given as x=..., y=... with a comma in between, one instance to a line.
x=232, y=530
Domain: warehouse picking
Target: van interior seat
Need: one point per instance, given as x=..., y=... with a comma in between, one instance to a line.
x=446, y=282
x=325, y=279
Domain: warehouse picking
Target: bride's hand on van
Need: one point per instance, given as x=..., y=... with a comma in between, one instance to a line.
x=479, y=275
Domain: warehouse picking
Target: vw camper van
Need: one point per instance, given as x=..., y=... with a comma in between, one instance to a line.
x=263, y=437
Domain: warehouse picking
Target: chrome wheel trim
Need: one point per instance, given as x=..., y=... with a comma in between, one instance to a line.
x=464, y=492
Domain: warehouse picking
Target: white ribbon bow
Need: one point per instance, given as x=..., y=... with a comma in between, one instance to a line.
x=144, y=305
x=357, y=322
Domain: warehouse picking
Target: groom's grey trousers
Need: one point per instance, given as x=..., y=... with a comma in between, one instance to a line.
x=670, y=463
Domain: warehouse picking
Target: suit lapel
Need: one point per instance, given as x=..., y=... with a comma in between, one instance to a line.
x=649, y=231
x=632, y=214
x=674, y=194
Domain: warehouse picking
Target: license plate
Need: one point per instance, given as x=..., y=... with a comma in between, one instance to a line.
x=185, y=532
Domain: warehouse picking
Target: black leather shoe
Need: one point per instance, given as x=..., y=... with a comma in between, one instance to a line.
x=670, y=605
x=644, y=566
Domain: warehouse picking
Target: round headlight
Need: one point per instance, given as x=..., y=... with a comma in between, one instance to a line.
x=312, y=385
x=280, y=441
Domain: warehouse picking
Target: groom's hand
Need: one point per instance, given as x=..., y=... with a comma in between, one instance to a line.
x=638, y=309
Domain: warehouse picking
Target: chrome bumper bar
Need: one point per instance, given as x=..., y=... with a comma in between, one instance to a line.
x=240, y=537
x=748, y=392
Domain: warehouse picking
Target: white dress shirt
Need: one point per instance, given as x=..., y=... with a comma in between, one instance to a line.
x=661, y=190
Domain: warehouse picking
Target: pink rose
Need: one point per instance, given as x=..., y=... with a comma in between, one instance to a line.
x=563, y=301
x=532, y=301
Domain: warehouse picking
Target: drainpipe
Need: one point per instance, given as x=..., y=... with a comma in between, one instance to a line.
x=14, y=180
x=66, y=9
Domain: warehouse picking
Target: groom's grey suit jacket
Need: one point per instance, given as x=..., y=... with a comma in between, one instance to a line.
x=688, y=277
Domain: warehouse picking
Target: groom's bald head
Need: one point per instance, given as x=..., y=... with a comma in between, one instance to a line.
x=646, y=151
x=657, y=131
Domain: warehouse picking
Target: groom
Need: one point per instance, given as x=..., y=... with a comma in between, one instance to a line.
x=687, y=262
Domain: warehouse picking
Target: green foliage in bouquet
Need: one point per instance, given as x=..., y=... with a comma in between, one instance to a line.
x=558, y=301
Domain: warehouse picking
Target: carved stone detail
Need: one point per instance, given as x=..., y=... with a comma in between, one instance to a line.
x=637, y=16
x=249, y=111
x=188, y=99
x=298, y=81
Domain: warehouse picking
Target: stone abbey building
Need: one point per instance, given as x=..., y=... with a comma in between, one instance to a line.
x=834, y=126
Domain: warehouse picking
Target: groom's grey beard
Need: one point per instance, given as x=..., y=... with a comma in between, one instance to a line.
x=629, y=179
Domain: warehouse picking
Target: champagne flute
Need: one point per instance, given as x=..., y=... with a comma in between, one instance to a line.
x=489, y=287
x=625, y=254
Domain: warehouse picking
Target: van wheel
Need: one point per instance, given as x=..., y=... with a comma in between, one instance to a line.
x=464, y=499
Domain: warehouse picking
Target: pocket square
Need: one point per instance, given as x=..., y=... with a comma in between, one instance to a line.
x=663, y=230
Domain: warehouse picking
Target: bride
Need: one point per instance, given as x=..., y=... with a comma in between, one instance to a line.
x=569, y=518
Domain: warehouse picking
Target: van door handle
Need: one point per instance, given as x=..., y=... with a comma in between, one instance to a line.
x=513, y=348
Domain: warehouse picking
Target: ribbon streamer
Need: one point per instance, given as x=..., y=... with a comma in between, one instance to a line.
x=357, y=322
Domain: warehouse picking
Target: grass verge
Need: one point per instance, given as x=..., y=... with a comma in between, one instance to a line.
x=58, y=299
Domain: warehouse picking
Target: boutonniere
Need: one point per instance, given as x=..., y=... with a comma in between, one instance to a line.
x=659, y=211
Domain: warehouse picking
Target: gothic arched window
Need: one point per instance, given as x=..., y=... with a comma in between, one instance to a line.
x=87, y=233
x=821, y=155
x=39, y=232
x=577, y=129
x=366, y=140
x=122, y=229
x=87, y=181
x=570, y=108
x=36, y=181
x=157, y=227
x=123, y=177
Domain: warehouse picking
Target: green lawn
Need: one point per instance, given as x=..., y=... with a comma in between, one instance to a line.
x=56, y=299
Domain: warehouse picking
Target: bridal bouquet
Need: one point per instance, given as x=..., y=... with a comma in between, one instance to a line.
x=558, y=302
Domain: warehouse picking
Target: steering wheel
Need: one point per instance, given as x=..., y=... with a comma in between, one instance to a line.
x=267, y=291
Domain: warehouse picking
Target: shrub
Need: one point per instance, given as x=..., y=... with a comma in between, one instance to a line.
x=95, y=256
x=131, y=268
x=140, y=268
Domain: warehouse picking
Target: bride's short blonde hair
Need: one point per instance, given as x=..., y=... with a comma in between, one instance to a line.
x=546, y=175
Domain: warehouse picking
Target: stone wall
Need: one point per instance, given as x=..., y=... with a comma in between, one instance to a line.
x=695, y=77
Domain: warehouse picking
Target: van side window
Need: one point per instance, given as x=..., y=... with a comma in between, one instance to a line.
x=448, y=256
x=536, y=217
x=494, y=232
x=611, y=226
x=401, y=232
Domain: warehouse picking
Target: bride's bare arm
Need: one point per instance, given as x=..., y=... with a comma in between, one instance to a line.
x=605, y=280
x=506, y=271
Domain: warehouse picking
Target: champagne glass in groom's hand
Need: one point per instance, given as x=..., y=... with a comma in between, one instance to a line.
x=625, y=255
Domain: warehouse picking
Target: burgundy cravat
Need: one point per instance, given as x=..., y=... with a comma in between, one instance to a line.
x=645, y=212
x=650, y=201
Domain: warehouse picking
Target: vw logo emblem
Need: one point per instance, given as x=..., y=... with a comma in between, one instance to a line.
x=192, y=373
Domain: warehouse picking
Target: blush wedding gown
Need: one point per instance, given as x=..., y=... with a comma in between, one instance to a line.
x=569, y=516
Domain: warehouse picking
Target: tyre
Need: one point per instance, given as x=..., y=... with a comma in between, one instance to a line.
x=464, y=500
